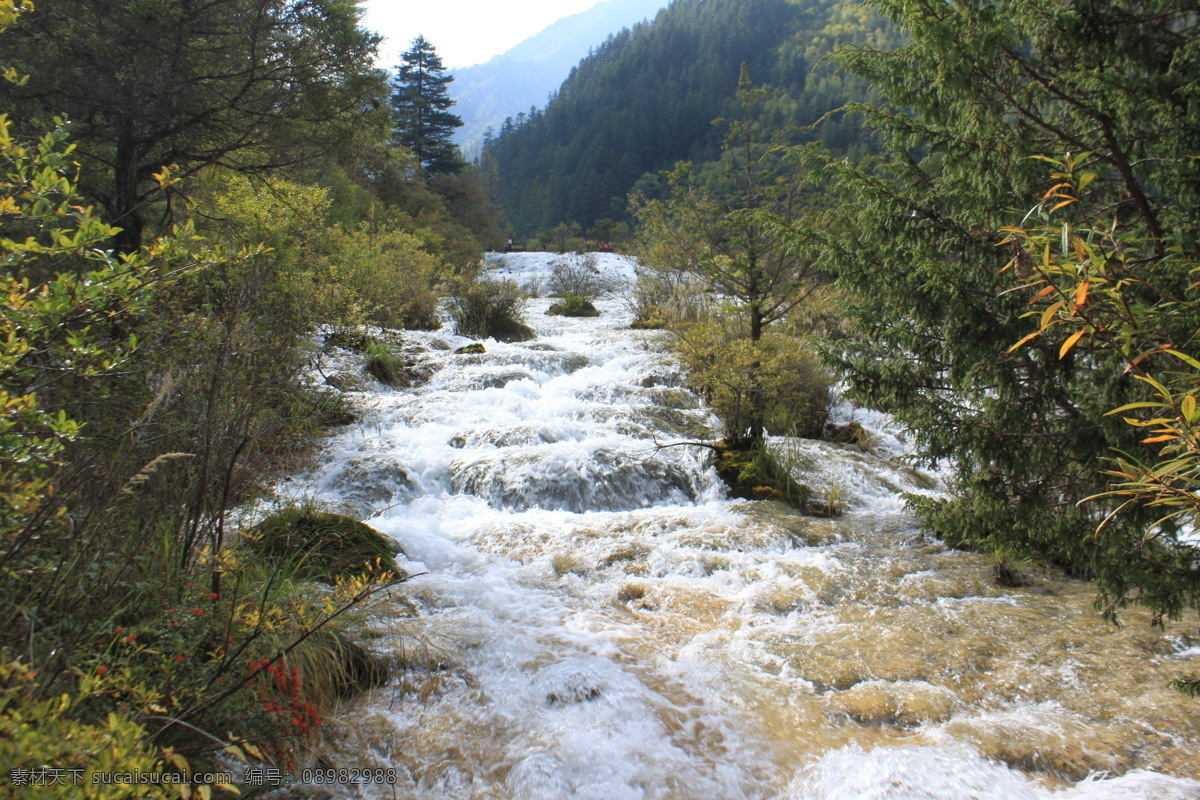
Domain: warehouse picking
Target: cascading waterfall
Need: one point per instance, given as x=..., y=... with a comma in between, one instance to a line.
x=597, y=621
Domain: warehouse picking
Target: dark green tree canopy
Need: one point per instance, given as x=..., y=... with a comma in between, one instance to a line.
x=247, y=84
x=421, y=109
x=978, y=95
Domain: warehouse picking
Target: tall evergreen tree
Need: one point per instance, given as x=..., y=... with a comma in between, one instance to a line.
x=421, y=108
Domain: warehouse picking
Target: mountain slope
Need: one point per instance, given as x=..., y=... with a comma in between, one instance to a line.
x=648, y=96
x=526, y=75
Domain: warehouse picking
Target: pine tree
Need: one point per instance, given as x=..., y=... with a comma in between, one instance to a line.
x=421, y=109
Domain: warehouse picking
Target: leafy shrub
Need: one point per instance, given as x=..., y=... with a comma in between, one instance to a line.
x=662, y=298
x=144, y=396
x=488, y=307
x=389, y=274
x=576, y=275
x=38, y=733
x=775, y=379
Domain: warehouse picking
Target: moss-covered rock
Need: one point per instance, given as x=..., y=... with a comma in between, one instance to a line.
x=755, y=474
x=321, y=546
x=352, y=339
x=472, y=349
x=573, y=306
x=851, y=433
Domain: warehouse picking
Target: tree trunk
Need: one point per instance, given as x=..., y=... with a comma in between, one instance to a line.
x=124, y=209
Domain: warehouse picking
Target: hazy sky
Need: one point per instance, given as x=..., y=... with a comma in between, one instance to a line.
x=465, y=32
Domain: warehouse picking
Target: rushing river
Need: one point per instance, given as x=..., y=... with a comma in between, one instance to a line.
x=596, y=620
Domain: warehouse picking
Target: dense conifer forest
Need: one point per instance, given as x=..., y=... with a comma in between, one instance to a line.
x=648, y=97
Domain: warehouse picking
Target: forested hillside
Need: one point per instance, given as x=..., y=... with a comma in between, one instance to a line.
x=648, y=98
x=527, y=74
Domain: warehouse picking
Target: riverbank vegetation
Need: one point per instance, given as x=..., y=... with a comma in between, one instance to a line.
x=168, y=247
x=1014, y=268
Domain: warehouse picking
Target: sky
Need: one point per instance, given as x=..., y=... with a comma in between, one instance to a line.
x=464, y=32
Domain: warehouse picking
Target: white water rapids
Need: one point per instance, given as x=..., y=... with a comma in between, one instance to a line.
x=596, y=621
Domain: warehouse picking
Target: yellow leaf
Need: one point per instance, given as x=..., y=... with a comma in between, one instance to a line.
x=1041, y=294
x=1188, y=407
x=1154, y=439
x=1063, y=203
x=1023, y=341
x=1081, y=294
x=1069, y=343
x=1050, y=192
x=1049, y=313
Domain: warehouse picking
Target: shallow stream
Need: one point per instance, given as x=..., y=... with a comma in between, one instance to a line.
x=596, y=621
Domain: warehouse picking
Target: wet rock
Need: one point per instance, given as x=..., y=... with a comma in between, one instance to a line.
x=628, y=551
x=499, y=380
x=566, y=480
x=573, y=681
x=345, y=382
x=353, y=339
x=472, y=349
x=1047, y=740
x=372, y=483
x=631, y=592
x=655, y=379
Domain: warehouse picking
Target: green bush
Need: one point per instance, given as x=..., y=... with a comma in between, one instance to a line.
x=388, y=274
x=492, y=308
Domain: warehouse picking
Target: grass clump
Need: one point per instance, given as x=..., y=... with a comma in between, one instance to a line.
x=386, y=366
x=490, y=308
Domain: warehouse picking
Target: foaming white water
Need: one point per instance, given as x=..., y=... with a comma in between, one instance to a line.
x=597, y=621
